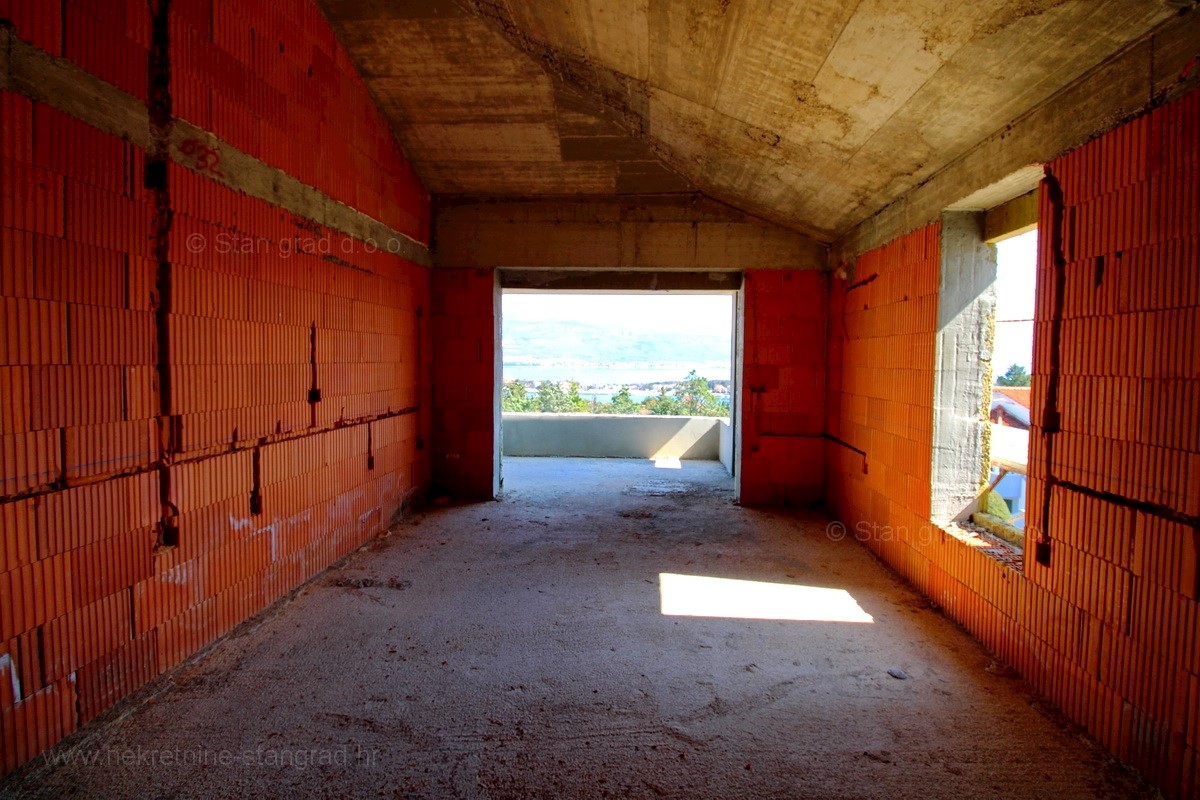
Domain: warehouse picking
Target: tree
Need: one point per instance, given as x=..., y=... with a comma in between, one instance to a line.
x=690, y=398
x=1016, y=376
x=664, y=405
x=575, y=403
x=553, y=399
x=697, y=399
x=513, y=397
x=550, y=397
x=622, y=402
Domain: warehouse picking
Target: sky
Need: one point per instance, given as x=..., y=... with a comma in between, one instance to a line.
x=662, y=336
x=1016, y=271
x=652, y=313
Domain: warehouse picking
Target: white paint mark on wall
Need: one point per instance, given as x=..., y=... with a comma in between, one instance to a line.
x=6, y=663
x=180, y=575
x=236, y=524
x=272, y=533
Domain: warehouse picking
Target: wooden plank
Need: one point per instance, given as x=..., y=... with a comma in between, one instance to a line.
x=1017, y=216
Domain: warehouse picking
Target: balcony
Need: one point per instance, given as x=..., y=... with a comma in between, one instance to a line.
x=618, y=436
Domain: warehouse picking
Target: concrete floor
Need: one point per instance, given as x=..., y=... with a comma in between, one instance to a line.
x=517, y=649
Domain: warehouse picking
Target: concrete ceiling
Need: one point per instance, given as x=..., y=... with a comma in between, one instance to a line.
x=814, y=115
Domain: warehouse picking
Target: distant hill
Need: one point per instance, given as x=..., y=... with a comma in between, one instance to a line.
x=539, y=342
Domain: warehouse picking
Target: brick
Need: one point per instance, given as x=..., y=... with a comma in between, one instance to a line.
x=68, y=396
x=36, y=723
x=116, y=675
x=29, y=460
x=17, y=542
x=111, y=565
x=76, y=272
x=110, y=336
x=34, y=332
x=96, y=41
x=14, y=388
x=34, y=593
x=86, y=634
x=67, y=146
x=16, y=127
x=84, y=515
x=31, y=199
x=16, y=263
x=115, y=447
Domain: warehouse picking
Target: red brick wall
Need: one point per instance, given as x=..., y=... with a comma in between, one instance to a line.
x=881, y=363
x=1123, y=484
x=270, y=78
x=267, y=77
x=464, y=374
x=783, y=387
x=1108, y=630
x=149, y=402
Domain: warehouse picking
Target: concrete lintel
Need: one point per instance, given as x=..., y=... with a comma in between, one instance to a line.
x=629, y=234
x=578, y=280
x=1144, y=74
x=1008, y=188
x=60, y=84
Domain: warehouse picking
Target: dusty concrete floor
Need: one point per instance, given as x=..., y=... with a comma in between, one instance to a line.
x=517, y=649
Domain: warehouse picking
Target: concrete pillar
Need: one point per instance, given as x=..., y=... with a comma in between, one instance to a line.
x=963, y=373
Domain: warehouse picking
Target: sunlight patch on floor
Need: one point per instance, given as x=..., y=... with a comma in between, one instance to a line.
x=701, y=596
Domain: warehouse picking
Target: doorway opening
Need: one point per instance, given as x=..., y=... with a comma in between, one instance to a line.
x=650, y=375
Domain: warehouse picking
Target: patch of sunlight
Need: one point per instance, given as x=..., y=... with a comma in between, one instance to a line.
x=667, y=463
x=684, y=439
x=700, y=596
